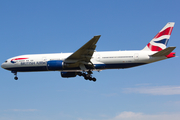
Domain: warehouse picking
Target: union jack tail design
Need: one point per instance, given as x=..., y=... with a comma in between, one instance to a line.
x=159, y=42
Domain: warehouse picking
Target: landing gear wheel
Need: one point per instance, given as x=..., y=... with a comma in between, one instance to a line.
x=16, y=78
x=94, y=79
x=88, y=76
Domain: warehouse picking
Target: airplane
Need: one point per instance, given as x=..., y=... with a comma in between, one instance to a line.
x=86, y=60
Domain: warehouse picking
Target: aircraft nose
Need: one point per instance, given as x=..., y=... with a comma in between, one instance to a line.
x=3, y=65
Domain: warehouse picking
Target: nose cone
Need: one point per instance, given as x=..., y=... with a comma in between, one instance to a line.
x=3, y=65
x=6, y=65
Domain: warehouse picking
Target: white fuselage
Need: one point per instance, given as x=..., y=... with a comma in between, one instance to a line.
x=100, y=60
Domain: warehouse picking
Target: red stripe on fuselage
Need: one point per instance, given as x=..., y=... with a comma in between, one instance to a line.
x=167, y=31
x=19, y=59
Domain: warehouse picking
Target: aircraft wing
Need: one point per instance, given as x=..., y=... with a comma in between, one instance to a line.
x=83, y=55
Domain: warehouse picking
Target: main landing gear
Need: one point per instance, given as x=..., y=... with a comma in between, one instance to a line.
x=87, y=76
x=15, y=73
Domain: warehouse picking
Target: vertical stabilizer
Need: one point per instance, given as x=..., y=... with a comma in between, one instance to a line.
x=159, y=42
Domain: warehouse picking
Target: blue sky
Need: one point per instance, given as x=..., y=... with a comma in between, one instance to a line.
x=40, y=26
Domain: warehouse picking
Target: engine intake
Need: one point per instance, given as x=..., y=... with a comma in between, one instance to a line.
x=68, y=74
x=55, y=65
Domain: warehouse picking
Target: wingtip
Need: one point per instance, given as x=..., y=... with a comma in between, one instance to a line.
x=172, y=47
x=97, y=36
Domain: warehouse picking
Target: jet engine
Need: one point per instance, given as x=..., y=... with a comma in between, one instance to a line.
x=68, y=74
x=55, y=65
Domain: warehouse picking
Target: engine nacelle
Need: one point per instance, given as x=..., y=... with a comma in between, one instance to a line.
x=68, y=74
x=55, y=65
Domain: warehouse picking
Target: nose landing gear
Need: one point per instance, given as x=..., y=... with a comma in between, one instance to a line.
x=15, y=73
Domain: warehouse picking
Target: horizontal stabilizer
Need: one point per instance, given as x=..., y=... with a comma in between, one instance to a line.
x=164, y=52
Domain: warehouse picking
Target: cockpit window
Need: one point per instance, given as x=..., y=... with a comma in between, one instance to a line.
x=6, y=61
